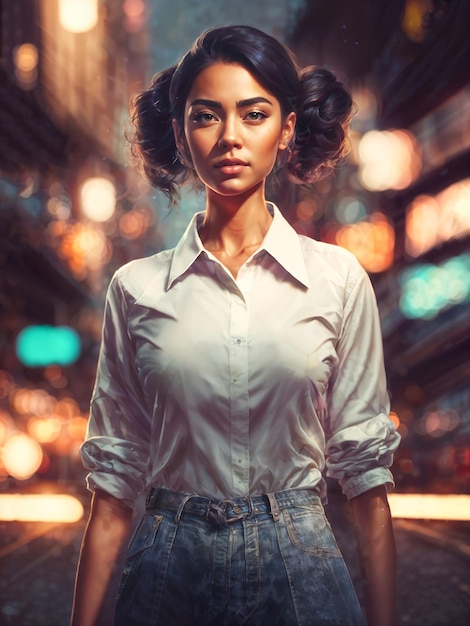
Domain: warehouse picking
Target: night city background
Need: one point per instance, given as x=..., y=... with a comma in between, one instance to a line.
x=73, y=209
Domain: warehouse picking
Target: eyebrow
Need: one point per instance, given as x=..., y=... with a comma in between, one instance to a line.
x=240, y=104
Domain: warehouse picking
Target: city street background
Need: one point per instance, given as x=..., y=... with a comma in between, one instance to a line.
x=73, y=208
x=37, y=565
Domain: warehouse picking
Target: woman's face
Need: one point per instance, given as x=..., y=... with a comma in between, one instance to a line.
x=233, y=129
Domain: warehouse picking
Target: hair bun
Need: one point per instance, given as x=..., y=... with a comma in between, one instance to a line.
x=152, y=118
x=324, y=111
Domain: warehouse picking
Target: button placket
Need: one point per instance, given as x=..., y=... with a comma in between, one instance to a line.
x=239, y=413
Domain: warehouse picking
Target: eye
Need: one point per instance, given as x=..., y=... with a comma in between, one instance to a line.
x=256, y=116
x=204, y=117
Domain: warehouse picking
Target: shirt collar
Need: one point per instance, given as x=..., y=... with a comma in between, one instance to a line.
x=281, y=242
x=187, y=250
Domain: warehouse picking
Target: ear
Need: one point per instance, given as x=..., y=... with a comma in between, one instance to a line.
x=184, y=156
x=287, y=131
x=179, y=135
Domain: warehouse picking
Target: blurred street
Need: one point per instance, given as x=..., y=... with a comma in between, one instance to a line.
x=37, y=563
x=74, y=208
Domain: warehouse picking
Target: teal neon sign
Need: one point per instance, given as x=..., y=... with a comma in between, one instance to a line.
x=427, y=289
x=40, y=346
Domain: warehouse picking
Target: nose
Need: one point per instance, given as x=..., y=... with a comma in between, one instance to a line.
x=230, y=134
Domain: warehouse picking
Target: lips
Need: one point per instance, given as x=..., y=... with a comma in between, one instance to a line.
x=230, y=166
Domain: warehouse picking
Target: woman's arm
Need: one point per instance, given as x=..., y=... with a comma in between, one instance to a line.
x=376, y=542
x=107, y=529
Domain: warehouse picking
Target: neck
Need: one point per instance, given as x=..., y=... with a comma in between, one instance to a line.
x=232, y=225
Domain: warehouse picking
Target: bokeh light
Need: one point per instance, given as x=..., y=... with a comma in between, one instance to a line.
x=44, y=430
x=422, y=225
x=78, y=16
x=429, y=506
x=40, y=346
x=394, y=418
x=350, y=209
x=372, y=242
x=407, y=466
x=21, y=456
x=134, y=15
x=26, y=59
x=133, y=224
x=40, y=508
x=31, y=401
x=98, y=199
x=55, y=376
x=437, y=422
x=433, y=220
x=59, y=204
x=306, y=210
x=427, y=289
x=366, y=105
x=412, y=22
x=67, y=408
x=85, y=248
x=76, y=428
x=388, y=159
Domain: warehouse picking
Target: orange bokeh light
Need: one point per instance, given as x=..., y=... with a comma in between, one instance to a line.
x=40, y=508
x=433, y=220
x=372, y=242
x=429, y=506
x=21, y=456
x=388, y=159
x=44, y=430
x=395, y=419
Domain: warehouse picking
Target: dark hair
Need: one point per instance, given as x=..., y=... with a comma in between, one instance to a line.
x=321, y=103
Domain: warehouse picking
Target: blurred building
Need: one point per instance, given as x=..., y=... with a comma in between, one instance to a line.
x=72, y=209
x=403, y=207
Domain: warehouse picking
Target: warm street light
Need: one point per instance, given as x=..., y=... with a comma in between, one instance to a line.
x=21, y=456
x=78, y=16
x=98, y=199
x=26, y=59
x=58, y=508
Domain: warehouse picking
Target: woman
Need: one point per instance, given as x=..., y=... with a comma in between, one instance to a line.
x=232, y=366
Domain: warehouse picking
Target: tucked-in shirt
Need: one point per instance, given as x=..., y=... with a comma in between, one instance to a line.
x=221, y=386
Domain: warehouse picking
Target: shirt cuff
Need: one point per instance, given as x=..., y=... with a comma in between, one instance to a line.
x=355, y=485
x=117, y=467
x=114, y=486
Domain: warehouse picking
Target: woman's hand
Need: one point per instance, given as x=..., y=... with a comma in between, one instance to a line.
x=106, y=532
x=376, y=542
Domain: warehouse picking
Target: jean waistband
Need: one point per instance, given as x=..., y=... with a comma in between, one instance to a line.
x=226, y=511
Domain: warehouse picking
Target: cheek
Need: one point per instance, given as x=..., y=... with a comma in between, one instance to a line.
x=267, y=153
x=268, y=143
x=199, y=146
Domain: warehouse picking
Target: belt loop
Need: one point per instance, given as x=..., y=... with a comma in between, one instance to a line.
x=274, y=508
x=250, y=506
x=179, y=512
x=149, y=496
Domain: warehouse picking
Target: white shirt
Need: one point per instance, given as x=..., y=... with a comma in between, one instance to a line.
x=223, y=387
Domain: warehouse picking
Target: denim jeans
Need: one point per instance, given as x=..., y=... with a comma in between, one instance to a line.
x=268, y=560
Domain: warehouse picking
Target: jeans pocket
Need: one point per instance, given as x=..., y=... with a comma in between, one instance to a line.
x=310, y=531
x=141, y=542
x=144, y=536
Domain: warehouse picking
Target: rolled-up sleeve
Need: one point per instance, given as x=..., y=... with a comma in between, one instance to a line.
x=116, y=448
x=361, y=439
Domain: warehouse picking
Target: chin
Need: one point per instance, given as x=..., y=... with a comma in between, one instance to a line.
x=233, y=187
